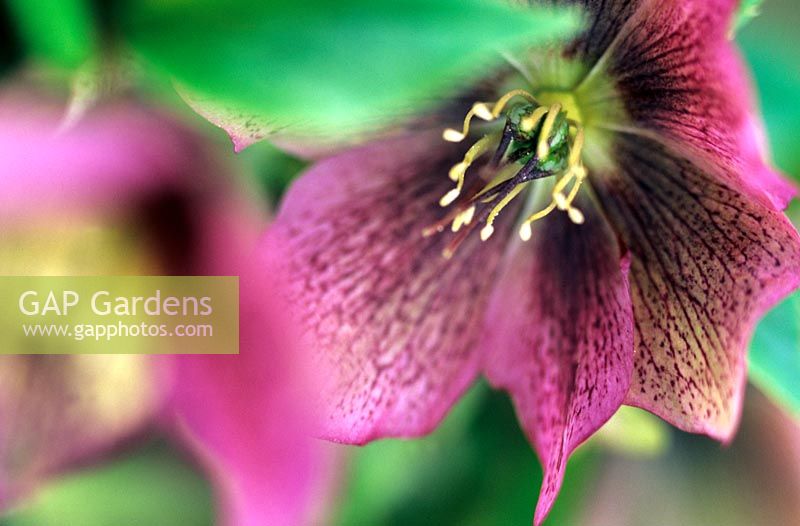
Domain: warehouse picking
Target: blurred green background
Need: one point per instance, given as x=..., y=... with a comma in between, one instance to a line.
x=477, y=468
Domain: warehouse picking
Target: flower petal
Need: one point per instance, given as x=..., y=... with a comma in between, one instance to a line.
x=393, y=321
x=111, y=156
x=606, y=19
x=679, y=75
x=559, y=337
x=245, y=416
x=708, y=260
x=57, y=411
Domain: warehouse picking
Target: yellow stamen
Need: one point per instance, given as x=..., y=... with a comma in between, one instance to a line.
x=487, y=231
x=459, y=170
x=482, y=146
x=468, y=214
x=562, y=183
x=575, y=215
x=577, y=147
x=573, y=192
x=478, y=109
x=525, y=231
x=464, y=218
x=529, y=123
x=568, y=182
x=498, y=107
x=482, y=111
x=561, y=201
x=580, y=171
x=449, y=197
x=543, y=148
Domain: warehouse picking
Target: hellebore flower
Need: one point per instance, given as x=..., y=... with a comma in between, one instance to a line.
x=615, y=235
x=126, y=191
x=68, y=206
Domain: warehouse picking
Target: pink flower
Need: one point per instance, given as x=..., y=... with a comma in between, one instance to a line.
x=143, y=183
x=630, y=237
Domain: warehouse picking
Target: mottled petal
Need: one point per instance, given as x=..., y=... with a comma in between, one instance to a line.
x=393, y=321
x=678, y=74
x=559, y=337
x=707, y=261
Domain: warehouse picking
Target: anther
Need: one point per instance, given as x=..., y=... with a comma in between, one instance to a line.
x=575, y=215
x=449, y=197
x=561, y=201
x=468, y=214
x=525, y=231
x=451, y=135
x=481, y=110
x=463, y=218
x=459, y=170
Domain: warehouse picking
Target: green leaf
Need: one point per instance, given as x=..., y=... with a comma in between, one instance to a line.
x=775, y=354
x=150, y=487
x=328, y=66
x=748, y=9
x=61, y=31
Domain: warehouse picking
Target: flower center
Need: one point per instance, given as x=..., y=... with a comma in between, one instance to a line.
x=542, y=137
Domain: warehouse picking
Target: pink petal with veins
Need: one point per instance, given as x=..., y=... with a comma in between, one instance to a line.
x=707, y=262
x=394, y=321
x=559, y=337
